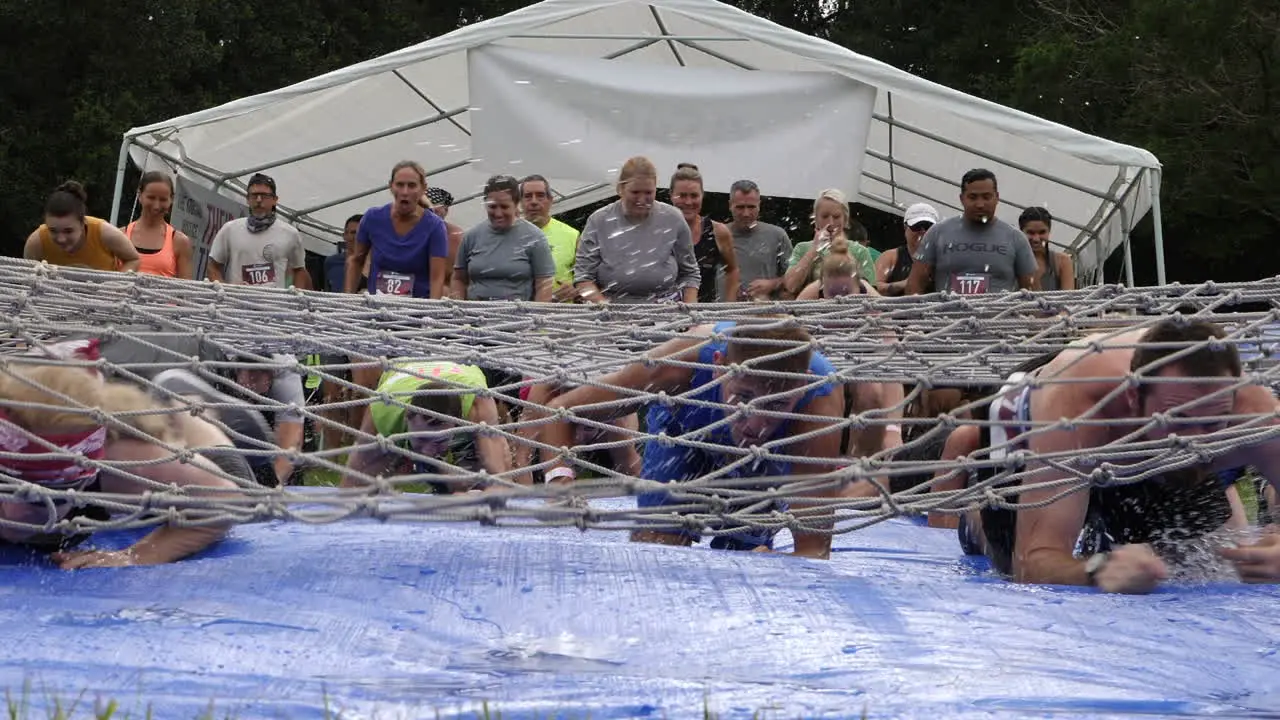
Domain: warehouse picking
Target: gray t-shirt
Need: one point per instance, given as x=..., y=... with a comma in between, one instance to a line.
x=263, y=258
x=641, y=262
x=972, y=258
x=503, y=265
x=764, y=251
x=139, y=357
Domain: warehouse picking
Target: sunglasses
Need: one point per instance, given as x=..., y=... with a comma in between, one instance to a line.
x=921, y=226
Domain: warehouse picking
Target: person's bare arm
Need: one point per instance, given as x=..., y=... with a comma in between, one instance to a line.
x=1066, y=272
x=213, y=271
x=459, y=283
x=729, y=256
x=167, y=543
x=812, y=291
x=884, y=266
x=494, y=452
x=368, y=461
x=439, y=268
x=799, y=273
x=355, y=267
x=626, y=458
x=289, y=439
x=1260, y=562
x=302, y=279
x=962, y=441
x=33, y=249
x=539, y=396
x=641, y=376
x=918, y=280
x=183, y=255
x=590, y=292
x=884, y=401
x=545, y=286
x=1046, y=536
x=455, y=242
x=119, y=245
x=825, y=446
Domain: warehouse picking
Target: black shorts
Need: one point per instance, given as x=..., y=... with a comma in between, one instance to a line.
x=497, y=378
x=341, y=373
x=57, y=542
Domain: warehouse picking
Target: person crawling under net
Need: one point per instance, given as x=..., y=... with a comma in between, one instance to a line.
x=426, y=423
x=1124, y=537
x=706, y=413
x=47, y=434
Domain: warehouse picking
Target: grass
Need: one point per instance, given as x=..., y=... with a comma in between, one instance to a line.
x=22, y=708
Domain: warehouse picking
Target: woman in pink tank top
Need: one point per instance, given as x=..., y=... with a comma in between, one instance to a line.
x=163, y=250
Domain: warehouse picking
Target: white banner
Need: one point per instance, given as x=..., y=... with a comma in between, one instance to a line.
x=795, y=133
x=200, y=213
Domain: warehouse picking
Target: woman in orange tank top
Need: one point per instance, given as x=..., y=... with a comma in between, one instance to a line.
x=70, y=237
x=162, y=249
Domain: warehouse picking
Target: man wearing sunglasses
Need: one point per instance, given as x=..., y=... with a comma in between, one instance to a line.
x=893, y=267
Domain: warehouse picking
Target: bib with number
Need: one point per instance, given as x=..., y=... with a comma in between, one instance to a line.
x=394, y=283
x=971, y=283
x=258, y=274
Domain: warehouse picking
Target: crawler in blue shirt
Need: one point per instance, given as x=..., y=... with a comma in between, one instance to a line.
x=794, y=385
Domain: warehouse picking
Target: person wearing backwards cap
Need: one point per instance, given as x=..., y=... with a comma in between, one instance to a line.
x=438, y=200
x=894, y=266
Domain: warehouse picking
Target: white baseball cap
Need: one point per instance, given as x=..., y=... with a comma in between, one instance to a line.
x=920, y=212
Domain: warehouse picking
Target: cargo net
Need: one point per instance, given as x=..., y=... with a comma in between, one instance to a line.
x=922, y=344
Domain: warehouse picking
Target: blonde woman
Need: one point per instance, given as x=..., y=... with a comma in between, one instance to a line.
x=636, y=250
x=840, y=275
x=830, y=221
x=135, y=439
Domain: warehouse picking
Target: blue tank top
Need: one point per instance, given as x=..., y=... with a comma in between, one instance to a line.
x=399, y=257
x=684, y=418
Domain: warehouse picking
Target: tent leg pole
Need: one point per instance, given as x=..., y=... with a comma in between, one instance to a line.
x=121, y=165
x=1157, y=176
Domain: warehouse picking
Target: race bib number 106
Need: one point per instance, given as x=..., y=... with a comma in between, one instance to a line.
x=258, y=274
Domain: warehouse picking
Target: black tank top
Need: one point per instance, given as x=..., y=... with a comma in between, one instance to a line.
x=901, y=265
x=707, y=253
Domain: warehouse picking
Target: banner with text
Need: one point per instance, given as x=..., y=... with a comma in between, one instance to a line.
x=200, y=213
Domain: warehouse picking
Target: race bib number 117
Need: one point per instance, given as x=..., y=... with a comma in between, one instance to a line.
x=971, y=284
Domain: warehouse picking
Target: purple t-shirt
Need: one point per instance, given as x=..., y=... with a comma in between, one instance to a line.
x=401, y=264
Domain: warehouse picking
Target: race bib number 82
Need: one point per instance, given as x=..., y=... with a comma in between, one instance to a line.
x=394, y=283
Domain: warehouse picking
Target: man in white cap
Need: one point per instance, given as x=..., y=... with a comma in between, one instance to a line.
x=975, y=253
x=893, y=267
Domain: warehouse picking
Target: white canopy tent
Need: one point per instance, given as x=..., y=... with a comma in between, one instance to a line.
x=330, y=141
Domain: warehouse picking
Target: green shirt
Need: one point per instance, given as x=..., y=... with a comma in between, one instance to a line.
x=390, y=419
x=564, y=250
x=857, y=251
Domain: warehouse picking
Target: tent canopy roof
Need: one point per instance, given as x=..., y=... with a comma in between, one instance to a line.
x=330, y=141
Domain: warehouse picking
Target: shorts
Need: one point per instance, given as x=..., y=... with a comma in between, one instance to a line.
x=497, y=378
x=57, y=542
x=232, y=463
x=248, y=428
x=342, y=373
x=674, y=464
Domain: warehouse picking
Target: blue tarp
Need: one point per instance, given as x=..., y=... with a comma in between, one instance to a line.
x=390, y=621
